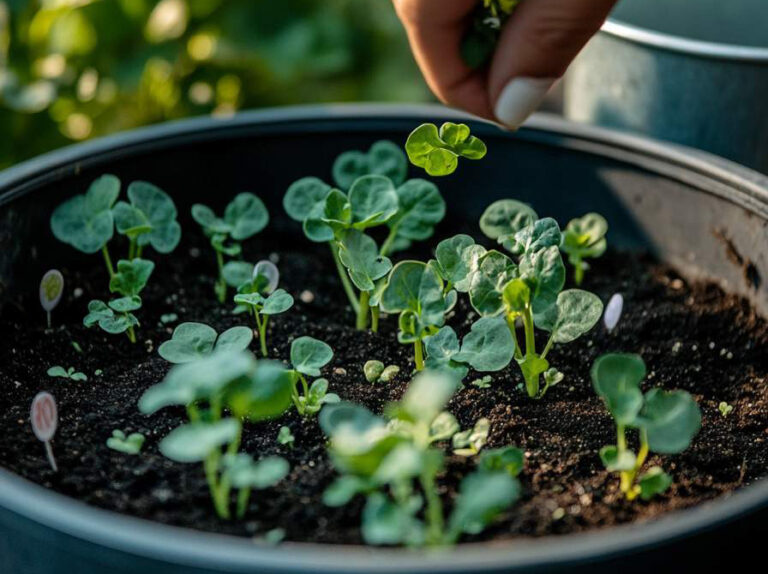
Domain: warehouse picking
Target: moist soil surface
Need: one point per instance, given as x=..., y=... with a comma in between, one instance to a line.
x=692, y=336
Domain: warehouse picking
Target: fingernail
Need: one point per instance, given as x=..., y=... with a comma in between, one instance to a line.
x=520, y=98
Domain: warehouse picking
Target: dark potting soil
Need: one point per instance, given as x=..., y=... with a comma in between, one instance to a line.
x=692, y=336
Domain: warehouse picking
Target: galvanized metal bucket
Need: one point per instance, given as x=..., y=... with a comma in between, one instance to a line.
x=694, y=72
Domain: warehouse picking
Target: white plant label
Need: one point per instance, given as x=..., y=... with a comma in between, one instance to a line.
x=613, y=311
x=51, y=290
x=45, y=417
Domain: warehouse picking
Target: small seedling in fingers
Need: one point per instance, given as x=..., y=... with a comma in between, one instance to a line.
x=70, y=373
x=480, y=39
x=51, y=290
x=130, y=444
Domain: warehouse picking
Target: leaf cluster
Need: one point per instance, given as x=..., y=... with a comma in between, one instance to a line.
x=438, y=151
x=308, y=357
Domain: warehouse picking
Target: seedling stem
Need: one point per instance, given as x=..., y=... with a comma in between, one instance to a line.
x=108, y=261
x=348, y=289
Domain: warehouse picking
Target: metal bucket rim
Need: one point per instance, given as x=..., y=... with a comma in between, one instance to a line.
x=700, y=48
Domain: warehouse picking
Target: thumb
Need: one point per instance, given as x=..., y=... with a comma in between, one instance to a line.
x=535, y=48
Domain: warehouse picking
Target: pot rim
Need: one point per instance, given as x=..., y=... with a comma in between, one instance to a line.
x=700, y=48
x=177, y=545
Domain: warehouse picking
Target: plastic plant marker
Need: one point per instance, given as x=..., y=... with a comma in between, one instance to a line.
x=51, y=290
x=44, y=417
x=613, y=311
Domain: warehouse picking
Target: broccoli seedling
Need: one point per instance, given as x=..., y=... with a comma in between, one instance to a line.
x=70, y=373
x=285, y=437
x=116, y=316
x=308, y=356
x=130, y=444
x=375, y=195
x=148, y=218
x=528, y=289
x=666, y=422
x=260, y=296
x=471, y=441
x=193, y=341
x=245, y=216
x=724, y=408
x=394, y=464
x=226, y=381
x=584, y=238
x=480, y=40
x=438, y=151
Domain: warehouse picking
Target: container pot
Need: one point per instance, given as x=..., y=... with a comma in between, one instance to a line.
x=690, y=72
x=704, y=215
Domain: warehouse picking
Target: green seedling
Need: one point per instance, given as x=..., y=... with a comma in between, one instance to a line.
x=117, y=316
x=285, y=437
x=488, y=347
x=584, y=238
x=416, y=291
x=438, y=151
x=193, y=341
x=308, y=356
x=70, y=373
x=666, y=422
x=526, y=289
x=224, y=382
x=394, y=464
x=482, y=382
x=130, y=444
x=260, y=296
x=471, y=441
x=245, y=216
x=724, y=408
x=488, y=19
x=148, y=218
x=375, y=196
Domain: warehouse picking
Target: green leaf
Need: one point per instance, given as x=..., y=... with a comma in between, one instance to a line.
x=442, y=345
x=577, y=312
x=471, y=441
x=265, y=394
x=494, y=271
x=246, y=215
x=192, y=341
x=488, y=346
x=516, y=296
x=130, y=221
x=505, y=217
x=403, y=462
x=421, y=207
x=653, y=482
x=383, y=158
x=125, y=304
x=538, y=235
x=285, y=436
x=278, y=302
x=309, y=355
x=244, y=472
x=85, y=221
x=615, y=461
x=373, y=201
x=372, y=370
x=193, y=442
x=438, y=152
x=131, y=276
x=208, y=220
x=360, y=255
x=304, y=197
x=457, y=259
x=57, y=371
x=344, y=489
x=237, y=273
x=158, y=209
x=427, y=396
x=100, y=314
x=443, y=427
x=384, y=522
x=508, y=459
x=544, y=272
x=585, y=236
x=671, y=419
x=482, y=497
x=415, y=287
x=532, y=366
x=616, y=377
x=97, y=310
x=235, y=339
x=128, y=445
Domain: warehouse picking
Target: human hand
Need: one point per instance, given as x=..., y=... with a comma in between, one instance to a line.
x=535, y=48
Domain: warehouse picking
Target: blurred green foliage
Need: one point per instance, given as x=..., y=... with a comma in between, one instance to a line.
x=75, y=69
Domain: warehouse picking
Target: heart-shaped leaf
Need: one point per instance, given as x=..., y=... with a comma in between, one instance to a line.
x=421, y=207
x=383, y=158
x=585, y=236
x=671, y=419
x=244, y=472
x=373, y=201
x=533, y=237
x=246, y=215
x=151, y=204
x=192, y=341
x=505, y=217
x=309, y=355
x=482, y=496
x=653, y=482
x=208, y=220
x=278, y=302
x=85, y=221
x=576, y=312
x=488, y=346
x=360, y=255
x=494, y=272
x=125, y=304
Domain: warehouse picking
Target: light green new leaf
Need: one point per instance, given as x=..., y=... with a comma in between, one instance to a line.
x=533, y=237
x=585, y=236
x=488, y=346
x=263, y=395
x=508, y=459
x=130, y=444
x=427, y=396
x=482, y=497
x=615, y=461
x=193, y=442
x=85, y=221
x=493, y=273
x=383, y=158
x=100, y=313
x=653, y=482
x=616, y=377
x=125, y=304
x=671, y=419
x=471, y=441
x=309, y=355
x=211, y=224
x=438, y=152
x=505, y=217
x=237, y=273
x=131, y=277
x=373, y=201
x=246, y=215
x=360, y=255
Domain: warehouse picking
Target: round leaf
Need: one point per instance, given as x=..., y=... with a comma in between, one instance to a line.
x=671, y=420
x=193, y=442
x=360, y=255
x=189, y=342
x=482, y=496
x=577, y=312
x=373, y=201
x=421, y=207
x=506, y=217
x=277, y=303
x=309, y=355
x=489, y=345
x=234, y=339
x=616, y=377
x=305, y=196
x=383, y=158
x=246, y=214
x=159, y=210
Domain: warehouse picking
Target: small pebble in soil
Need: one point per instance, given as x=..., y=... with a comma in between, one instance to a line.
x=307, y=296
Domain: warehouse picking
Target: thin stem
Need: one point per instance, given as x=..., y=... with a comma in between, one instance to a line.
x=387, y=245
x=48, y=318
x=108, y=261
x=304, y=385
x=243, y=496
x=548, y=346
x=132, y=249
x=513, y=329
x=139, y=250
x=261, y=322
x=434, y=511
x=362, y=312
x=348, y=289
x=131, y=334
x=531, y=383
x=578, y=270
x=221, y=284
x=418, y=353
x=375, y=318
